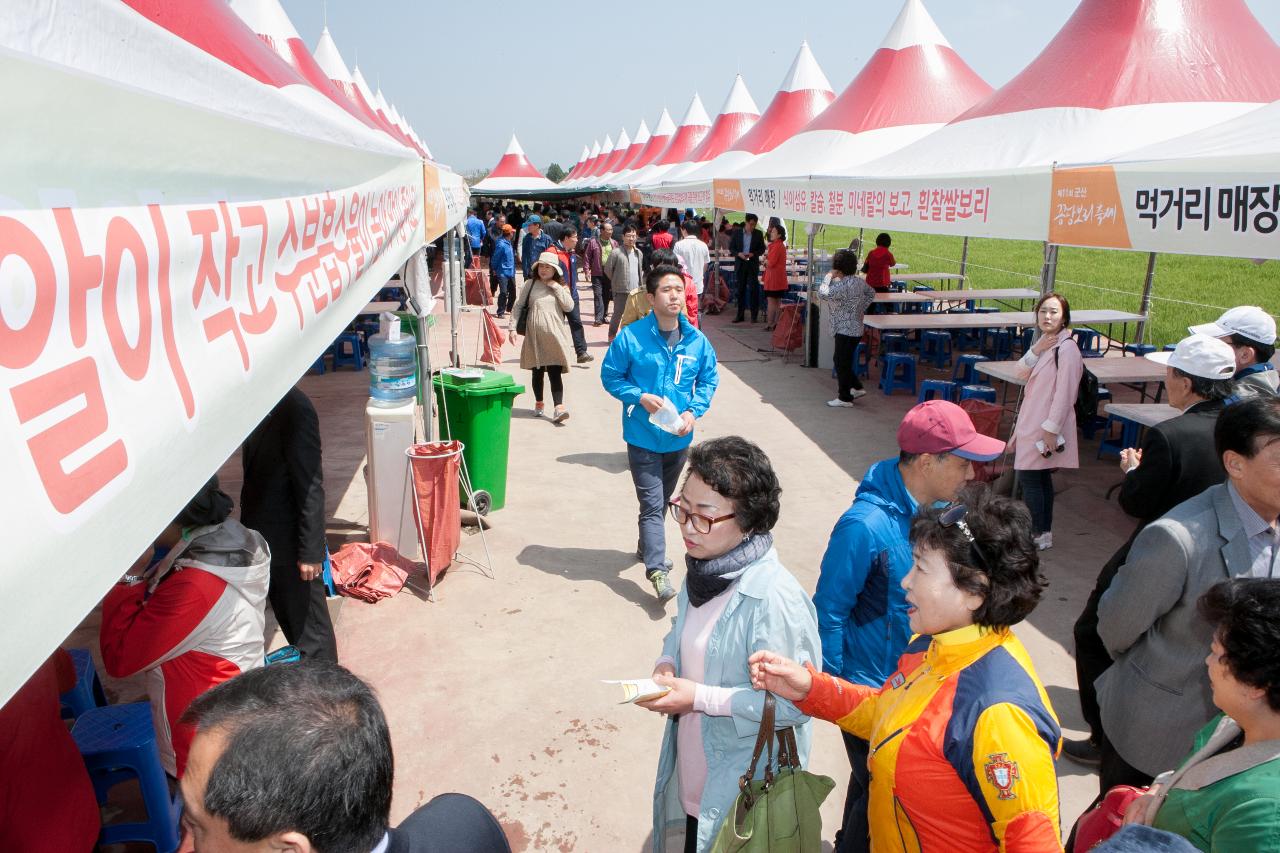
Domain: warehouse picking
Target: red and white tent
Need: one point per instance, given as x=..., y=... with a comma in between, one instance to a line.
x=591, y=163
x=606, y=152
x=737, y=116
x=330, y=61
x=638, y=142
x=912, y=85
x=573, y=173
x=658, y=142
x=1120, y=74
x=805, y=92
x=513, y=175
x=225, y=220
x=620, y=149
x=693, y=128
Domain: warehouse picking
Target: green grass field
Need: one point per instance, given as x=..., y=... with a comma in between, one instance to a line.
x=1188, y=289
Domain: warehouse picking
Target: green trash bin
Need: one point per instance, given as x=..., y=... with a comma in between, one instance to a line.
x=475, y=408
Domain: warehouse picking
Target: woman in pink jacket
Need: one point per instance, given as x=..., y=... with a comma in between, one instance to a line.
x=1044, y=437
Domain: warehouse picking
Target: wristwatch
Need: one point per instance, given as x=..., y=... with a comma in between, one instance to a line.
x=130, y=580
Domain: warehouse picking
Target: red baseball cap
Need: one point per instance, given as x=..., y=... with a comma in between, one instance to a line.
x=937, y=426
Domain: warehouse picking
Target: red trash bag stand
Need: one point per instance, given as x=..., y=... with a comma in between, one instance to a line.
x=434, y=469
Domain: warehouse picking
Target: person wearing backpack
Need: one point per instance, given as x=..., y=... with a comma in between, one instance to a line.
x=1044, y=436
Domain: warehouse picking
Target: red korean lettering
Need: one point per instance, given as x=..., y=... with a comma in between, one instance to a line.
x=259, y=318
x=68, y=490
x=122, y=237
x=204, y=224
x=166, y=312
x=20, y=347
x=84, y=271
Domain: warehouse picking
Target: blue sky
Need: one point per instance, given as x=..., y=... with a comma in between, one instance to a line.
x=468, y=74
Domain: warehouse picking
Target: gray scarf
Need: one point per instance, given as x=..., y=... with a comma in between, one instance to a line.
x=708, y=578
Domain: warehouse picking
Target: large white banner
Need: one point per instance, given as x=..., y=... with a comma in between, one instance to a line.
x=170, y=264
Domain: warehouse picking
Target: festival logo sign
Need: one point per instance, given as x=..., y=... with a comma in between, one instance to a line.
x=1085, y=209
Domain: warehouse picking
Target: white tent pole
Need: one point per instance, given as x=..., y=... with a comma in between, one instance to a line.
x=1145, y=308
x=809, y=360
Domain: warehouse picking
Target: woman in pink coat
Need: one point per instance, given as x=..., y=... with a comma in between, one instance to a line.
x=1044, y=437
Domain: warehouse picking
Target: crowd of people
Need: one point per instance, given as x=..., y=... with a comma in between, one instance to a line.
x=906, y=644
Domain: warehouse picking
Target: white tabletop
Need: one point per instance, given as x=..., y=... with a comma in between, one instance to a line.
x=928, y=276
x=997, y=319
x=1005, y=371
x=1124, y=369
x=1147, y=414
x=380, y=308
x=957, y=295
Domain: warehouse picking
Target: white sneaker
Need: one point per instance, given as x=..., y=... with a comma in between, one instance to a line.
x=840, y=404
x=859, y=392
x=1044, y=541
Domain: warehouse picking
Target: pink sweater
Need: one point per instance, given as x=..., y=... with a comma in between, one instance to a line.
x=1048, y=404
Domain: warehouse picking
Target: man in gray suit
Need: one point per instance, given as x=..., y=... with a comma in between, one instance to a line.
x=1157, y=694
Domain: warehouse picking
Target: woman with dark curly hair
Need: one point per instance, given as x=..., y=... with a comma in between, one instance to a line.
x=1226, y=795
x=962, y=736
x=737, y=599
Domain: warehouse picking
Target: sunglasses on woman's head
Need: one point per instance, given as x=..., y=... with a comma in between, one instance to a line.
x=953, y=516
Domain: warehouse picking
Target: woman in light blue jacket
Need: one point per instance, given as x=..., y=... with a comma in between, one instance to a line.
x=737, y=599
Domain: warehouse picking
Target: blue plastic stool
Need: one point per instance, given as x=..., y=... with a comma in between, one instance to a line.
x=894, y=342
x=117, y=743
x=1139, y=349
x=1170, y=347
x=87, y=692
x=349, y=350
x=1089, y=341
x=935, y=347
x=318, y=366
x=861, y=361
x=1128, y=436
x=1023, y=341
x=890, y=380
x=943, y=389
x=997, y=344
x=964, y=372
x=986, y=309
x=978, y=392
x=1090, y=426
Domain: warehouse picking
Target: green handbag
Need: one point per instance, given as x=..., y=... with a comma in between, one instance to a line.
x=778, y=813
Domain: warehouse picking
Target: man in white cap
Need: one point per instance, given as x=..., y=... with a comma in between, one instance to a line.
x=1252, y=334
x=1176, y=462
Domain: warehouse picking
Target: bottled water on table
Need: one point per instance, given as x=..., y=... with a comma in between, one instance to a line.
x=393, y=366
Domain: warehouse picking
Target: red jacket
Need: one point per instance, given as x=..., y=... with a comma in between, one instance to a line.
x=775, y=271
x=194, y=626
x=879, y=262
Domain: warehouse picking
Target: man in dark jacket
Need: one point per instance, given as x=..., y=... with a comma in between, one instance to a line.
x=746, y=244
x=283, y=499
x=565, y=248
x=1175, y=463
x=596, y=251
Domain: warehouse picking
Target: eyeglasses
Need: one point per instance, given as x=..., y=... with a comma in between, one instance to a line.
x=701, y=523
x=953, y=516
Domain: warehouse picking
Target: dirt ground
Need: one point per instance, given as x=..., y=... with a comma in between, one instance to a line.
x=494, y=688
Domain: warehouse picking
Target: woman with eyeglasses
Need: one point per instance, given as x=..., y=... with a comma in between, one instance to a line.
x=737, y=599
x=962, y=735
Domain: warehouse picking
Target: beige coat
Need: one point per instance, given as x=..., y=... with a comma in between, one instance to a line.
x=547, y=341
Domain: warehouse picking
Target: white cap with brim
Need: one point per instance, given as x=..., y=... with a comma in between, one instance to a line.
x=1200, y=355
x=1248, y=321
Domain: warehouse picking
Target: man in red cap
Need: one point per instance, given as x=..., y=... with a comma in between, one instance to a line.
x=862, y=610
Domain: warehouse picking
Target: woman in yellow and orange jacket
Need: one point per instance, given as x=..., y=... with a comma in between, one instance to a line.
x=963, y=737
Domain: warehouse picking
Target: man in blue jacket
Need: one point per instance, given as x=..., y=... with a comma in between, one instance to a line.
x=503, y=269
x=475, y=231
x=660, y=358
x=862, y=609
x=533, y=245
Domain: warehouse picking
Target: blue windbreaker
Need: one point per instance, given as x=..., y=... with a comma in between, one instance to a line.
x=503, y=261
x=640, y=362
x=530, y=248
x=475, y=231
x=862, y=608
